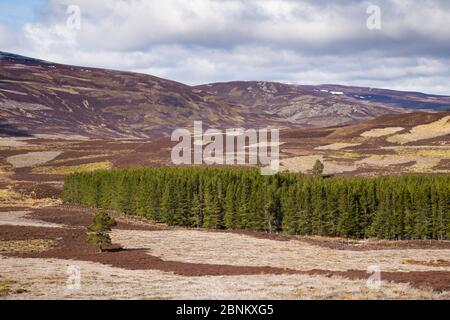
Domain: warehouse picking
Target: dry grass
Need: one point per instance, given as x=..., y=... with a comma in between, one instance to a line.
x=8, y=193
x=337, y=146
x=235, y=249
x=422, y=164
x=71, y=137
x=47, y=279
x=376, y=133
x=64, y=170
x=305, y=163
x=427, y=131
x=5, y=169
x=31, y=159
x=25, y=246
x=10, y=287
x=6, y=287
x=13, y=142
x=19, y=218
x=431, y=263
x=9, y=198
x=441, y=153
x=93, y=156
x=347, y=155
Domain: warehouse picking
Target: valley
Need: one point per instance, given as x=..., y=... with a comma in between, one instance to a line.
x=56, y=120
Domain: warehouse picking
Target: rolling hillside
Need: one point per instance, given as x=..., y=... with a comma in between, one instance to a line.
x=44, y=99
x=323, y=105
x=38, y=97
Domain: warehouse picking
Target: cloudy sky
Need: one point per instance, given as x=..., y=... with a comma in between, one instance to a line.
x=202, y=41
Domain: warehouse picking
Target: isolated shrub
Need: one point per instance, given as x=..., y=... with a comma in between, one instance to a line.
x=98, y=231
x=317, y=170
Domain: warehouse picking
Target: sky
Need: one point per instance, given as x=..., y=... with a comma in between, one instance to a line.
x=396, y=44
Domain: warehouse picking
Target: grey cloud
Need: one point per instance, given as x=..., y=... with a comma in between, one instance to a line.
x=217, y=40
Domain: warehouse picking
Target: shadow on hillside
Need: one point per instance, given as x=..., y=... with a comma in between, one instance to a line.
x=9, y=130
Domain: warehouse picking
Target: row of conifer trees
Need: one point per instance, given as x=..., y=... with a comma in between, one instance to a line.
x=389, y=207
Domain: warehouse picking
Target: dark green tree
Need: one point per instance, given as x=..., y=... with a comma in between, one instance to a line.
x=99, y=229
x=317, y=170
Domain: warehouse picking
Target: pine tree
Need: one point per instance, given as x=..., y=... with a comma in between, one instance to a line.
x=230, y=208
x=196, y=217
x=212, y=210
x=168, y=205
x=98, y=231
x=396, y=207
x=317, y=170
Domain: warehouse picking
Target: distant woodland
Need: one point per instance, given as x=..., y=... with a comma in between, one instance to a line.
x=387, y=207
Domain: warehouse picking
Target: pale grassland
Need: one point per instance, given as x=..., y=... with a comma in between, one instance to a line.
x=65, y=170
x=305, y=163
x=346, y=155
x=441, y=153
x=28, y=148
x=427, y=131
x=64, y=89
x=8, y=193
x=201, y=247
x=4, y=169
x=337, y=146
x=19, y=218
x=93, y=156
x=25, y=246
x=6, y=287
x=13, y=142
x=422, y=164
x=70, y=137
x=31, y=159
x=47, y=279
x=433, y=263
x=9, y=198
x=376, y=133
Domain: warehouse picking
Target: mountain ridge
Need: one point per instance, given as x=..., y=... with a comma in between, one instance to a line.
x=94, y=102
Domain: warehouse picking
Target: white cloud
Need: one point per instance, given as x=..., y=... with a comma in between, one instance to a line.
x=202, y=41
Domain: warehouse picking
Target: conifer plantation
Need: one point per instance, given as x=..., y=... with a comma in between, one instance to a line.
x=388, y=207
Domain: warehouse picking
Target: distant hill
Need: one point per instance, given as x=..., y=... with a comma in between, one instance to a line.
x=40, y=97
x=323, y=105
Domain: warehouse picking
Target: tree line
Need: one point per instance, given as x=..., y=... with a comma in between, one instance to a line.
x=388, y=207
